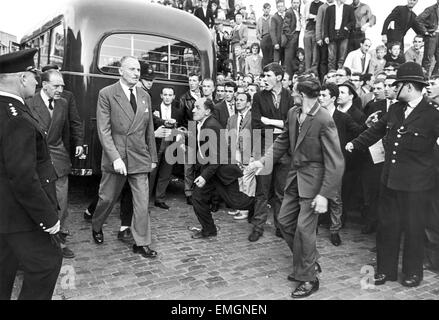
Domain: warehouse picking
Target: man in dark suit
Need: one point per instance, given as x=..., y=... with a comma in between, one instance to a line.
x=28, y=210
x=204, y=13
x=276, y=25
x=226, y=108
x=398, y=22
x=336, y=32
x=269, y=111
x=429, y=22
x=291, y=30
x=51, y=110
x=214, y=174
x=314, y=177
x=409, y=131
x=347, y=129
x=126, y=131
x=222, y=40
x=171, y=116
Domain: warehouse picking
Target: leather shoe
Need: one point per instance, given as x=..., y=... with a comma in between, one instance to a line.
x=98, y=236
x=189, y=200
x=145, y=251
x=335, y=239
x=411, y=281
x=161, y=205
x=254, y=236
x=305, y=289
x=125, y=235
x=381, y=278
x=67, y=253
x=214, y=207
x=202, y=235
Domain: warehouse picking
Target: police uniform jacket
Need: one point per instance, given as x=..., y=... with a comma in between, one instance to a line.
x=409, y=159
x=27, y=189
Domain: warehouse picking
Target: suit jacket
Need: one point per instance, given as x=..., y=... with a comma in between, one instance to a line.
x=353, y=61
x=347, y=24
x=356, y=114
x=240, y=35
x=429, y=20
x=208, y=19
x=27, y=177
x=243, y=141
x=75, y=129
x=404, y=20
x=409, y=146
x=177, y=113
x=187, y=102
x=347, y=129
x=223, y=46
x=373, y=106
x=221, y=113
x=276, y=26
x=124, y=134
x=57, y=129
x=289, y=24
x=213, y=150
x=317, y=159
x=263, y=106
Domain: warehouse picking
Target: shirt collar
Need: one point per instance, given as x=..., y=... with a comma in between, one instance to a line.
x=244, y=114
x=126, y=89
x=45, y=97
x=200, y=123
x=11, y=95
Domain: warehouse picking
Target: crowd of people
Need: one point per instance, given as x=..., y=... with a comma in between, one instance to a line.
x=310, y=134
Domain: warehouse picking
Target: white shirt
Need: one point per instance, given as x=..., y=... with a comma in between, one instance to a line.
x=195, y=94
x=338, y=16
x=127, y=92
x=353, y=61
x=230, y=108
x=46, y=101
x=11, y=95
x=165, y=111
x=238, y=151
x=412, y=105
x=298, y=22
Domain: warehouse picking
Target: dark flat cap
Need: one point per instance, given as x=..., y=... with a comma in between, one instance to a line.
x=350, y=86
x=18, y=61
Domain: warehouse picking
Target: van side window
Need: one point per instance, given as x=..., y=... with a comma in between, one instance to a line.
x=44, y=48
x=170, y=59
x=57, y=46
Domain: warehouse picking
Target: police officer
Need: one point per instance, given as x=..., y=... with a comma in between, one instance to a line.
x=28, y=209
x=409, y=131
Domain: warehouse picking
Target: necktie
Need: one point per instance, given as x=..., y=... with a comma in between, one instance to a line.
x=407, y=110
x=133, y=101
x=232, y=109
x=50, y=104
x=241, y=121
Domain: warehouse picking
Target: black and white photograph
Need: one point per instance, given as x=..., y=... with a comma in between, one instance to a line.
x=219, y=156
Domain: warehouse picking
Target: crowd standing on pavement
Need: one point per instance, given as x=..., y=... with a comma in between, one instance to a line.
x=339, y=128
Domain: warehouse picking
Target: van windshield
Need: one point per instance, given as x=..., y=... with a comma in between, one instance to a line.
x=169, y=59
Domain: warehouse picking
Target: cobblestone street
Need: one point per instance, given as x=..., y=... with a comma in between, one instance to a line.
x=225, y=267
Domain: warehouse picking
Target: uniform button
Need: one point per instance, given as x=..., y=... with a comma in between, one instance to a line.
x=41, y=224
x=402, y=128
x=47, y=181
x=416, y=134
x=393, y=161
x=394, y=152
x=44, y=228
x=396, y=144
x=398, y=136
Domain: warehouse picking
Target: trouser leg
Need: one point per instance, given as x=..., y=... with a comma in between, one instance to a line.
x=140, y=224
x=335, y=207
x=62, y=191
x=189, y=177
x=109, y=191
x=280, y=173
x=232, y=196
x=200, y=200
x=332, y=56
x=163, y=179
x=8, y=268
x=342, y=52
x=126, y=205
x=263, y=184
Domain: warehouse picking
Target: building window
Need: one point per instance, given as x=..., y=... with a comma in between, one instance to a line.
x=57, y=46
x=169, y=59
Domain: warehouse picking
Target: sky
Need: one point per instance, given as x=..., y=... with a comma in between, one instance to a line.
x=17, y=16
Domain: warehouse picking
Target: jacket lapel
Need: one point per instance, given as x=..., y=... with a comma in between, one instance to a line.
x=123, y=101
x=40, y=110
x=416, y=113
x=141, y=109
x=307, y=124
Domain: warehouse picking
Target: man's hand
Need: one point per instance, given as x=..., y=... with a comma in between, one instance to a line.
x=320, y=43
x=384, y=38
x=54, y=229
x=200, y=182
x=153, y=165
x=162, y=132
x=277, y=46
x=79, y=150
x=372, y=119
x=349, y=147
x=365, y=27
x=256, y=166
x=327, y=40
x=319, y=204
x=119, y=166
